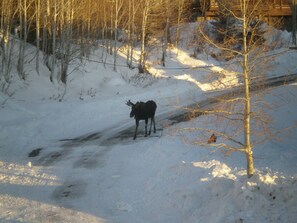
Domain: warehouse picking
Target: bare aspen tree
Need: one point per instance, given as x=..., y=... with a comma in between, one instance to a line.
x=107, y=28
x=111, y=28
x=89, y=14
x=118, y=8
x=38, y=13
x=247, y=104
x=66, y=19
x=84, y=24
x=46, y=33
x=244, y=43
x=294, y=23
x=116, y=17
x=203, y=6
x=146, y=7
x=135, y=6
x=53, y=36
x=129, y=29
x=95, y=23
x=25, y=19
x=166, y=32
x=132, y=11
x=8, y=10
x=2, y=40
x=23, y=36
x=103, y=27
x=181, y=6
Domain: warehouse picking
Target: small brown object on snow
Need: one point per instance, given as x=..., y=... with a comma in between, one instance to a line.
x=213, y=138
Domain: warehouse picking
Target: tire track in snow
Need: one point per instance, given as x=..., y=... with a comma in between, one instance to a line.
x=123, y=133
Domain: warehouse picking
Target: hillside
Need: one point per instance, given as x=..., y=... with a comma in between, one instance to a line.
x=74, y=177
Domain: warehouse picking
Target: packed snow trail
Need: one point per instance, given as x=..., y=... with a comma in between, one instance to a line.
x=122, y=133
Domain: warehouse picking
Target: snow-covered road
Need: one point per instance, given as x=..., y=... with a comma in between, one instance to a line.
x=123, y=131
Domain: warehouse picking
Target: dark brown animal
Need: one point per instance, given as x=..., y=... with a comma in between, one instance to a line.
x=143, y=111
x=212, y=139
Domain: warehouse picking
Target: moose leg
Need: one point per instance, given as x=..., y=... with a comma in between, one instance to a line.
x=146, y=121
x=135, y=133
x=153, y=119
x=150, y=127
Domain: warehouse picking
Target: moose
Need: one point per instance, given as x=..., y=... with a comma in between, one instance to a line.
x=143, y=111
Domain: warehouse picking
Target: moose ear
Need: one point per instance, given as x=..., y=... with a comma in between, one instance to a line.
x=129, y=103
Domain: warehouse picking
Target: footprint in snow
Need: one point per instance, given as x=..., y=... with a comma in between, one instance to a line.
x=123, y=206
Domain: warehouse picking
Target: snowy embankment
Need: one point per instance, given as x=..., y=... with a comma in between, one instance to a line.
x=154, y=179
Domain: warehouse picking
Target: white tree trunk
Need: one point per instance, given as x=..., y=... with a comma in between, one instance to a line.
x=6, y=43
x=23, y=39
x=166, y=34
x=38, y=11
x=115, y=35
x=145, y=15
x=54, y=28
x=247, y=110
x=177, y=34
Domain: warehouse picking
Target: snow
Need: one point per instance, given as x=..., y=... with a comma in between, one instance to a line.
x=82, y=174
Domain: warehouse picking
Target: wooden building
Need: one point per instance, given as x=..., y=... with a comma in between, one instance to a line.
x=267, y=8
